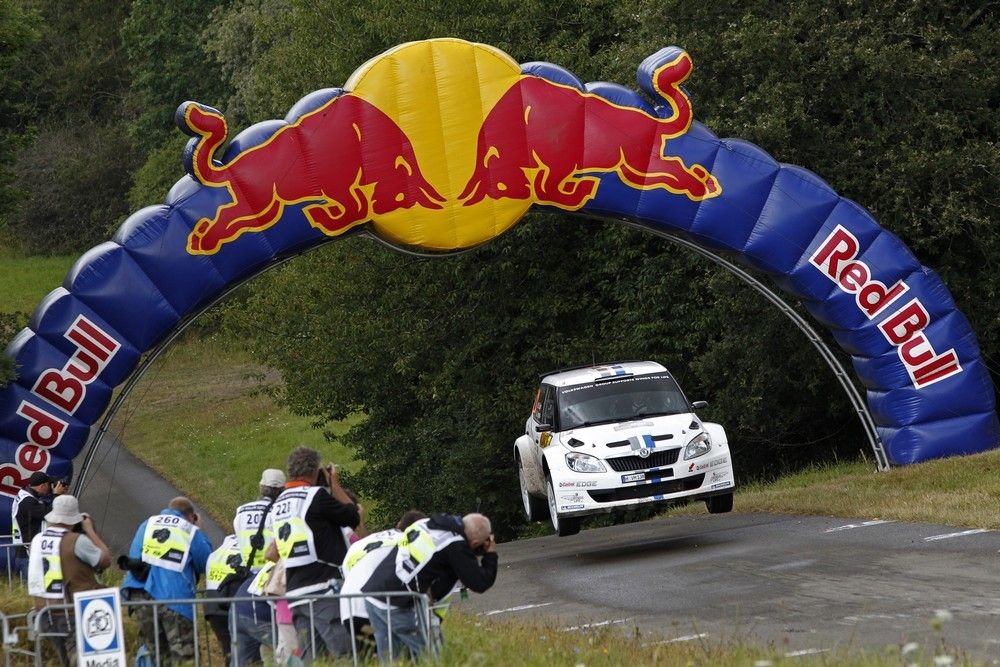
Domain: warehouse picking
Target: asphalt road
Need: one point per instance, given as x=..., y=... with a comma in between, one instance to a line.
x=806, y=585
x=121, y=492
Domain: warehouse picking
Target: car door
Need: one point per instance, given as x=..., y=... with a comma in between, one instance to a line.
x=543, y=415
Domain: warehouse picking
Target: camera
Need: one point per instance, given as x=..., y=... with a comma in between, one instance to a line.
x=135, y=566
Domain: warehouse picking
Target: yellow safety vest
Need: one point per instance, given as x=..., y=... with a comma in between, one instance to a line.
x=45, y=575
x=245, y=525
x=367, y=545
x=167, y=541
x=417, y=546
x=222, y=562
x=296, y=544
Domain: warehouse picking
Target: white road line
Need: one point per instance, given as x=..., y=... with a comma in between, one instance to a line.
x=948, y=536
x=684, y=638
x=521, y=608
x=596, y=625
x=863, y=524
x=805, y=651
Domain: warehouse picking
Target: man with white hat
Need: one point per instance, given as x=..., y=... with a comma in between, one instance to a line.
x=63, y=562
x=252, y=524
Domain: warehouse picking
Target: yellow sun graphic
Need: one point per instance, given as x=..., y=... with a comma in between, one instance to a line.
x=439, y=91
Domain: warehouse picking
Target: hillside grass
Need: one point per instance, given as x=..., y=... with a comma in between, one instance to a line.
x=24, y=281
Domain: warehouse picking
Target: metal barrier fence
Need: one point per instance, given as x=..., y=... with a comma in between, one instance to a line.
x=7, y=551
x=36, y=634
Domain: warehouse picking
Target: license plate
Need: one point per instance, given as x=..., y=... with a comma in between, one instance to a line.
x=634, y=477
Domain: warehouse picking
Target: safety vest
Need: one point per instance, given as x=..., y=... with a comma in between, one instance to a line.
x=296, y=543
x=368, y=545
x=15, y=530
x=45, y=574
x=417, y=546
x=167, y=541
x=222, y=562
x=261, y=578
x=245, y=525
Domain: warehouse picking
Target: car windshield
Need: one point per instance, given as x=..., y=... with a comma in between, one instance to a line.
x=622, y=399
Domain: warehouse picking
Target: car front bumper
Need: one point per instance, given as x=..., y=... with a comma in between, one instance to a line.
x=581, y=494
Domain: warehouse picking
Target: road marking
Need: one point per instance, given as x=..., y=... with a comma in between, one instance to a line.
x=805, y=651
x=790, y=565
x=863, y=524
x=596, y=625
x=521, y=608
x=685, y=638
x=948, y=536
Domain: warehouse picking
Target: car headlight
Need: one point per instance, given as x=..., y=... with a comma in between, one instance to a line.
x=700, y=444
x=579, y=462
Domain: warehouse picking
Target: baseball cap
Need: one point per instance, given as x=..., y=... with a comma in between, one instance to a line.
x=39, y=478
x=272, y=477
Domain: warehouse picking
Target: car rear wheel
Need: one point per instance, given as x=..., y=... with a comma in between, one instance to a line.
x=535, y=509
x=719, y=504
x=562, y=525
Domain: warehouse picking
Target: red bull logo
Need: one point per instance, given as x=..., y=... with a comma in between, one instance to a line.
x=443, y=157
x=346, y=161
x=544, y=141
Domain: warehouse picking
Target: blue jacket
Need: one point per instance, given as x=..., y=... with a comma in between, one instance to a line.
x=163, y=584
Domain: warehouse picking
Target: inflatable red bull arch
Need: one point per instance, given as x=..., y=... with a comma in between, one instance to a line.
x=441, y=145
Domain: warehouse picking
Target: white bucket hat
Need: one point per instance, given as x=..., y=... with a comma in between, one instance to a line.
x=65, y=509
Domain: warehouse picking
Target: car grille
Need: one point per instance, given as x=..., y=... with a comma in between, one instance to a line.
x=654, y=460
x=647, y=490
x=626, y=443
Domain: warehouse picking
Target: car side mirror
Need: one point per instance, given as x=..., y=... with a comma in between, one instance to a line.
x=698, y=405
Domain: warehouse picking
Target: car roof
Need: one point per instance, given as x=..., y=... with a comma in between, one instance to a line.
x=580, y=375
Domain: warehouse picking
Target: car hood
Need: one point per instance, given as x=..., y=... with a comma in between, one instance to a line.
x=624, y=438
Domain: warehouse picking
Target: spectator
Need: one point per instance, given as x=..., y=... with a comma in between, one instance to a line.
x=253, y=618
x=249, y=516
x=307, y=525
x=176, y=552
x=433, y=555
x=64, y=562
x=359, y=564
x=28, y=512
x=223, y=563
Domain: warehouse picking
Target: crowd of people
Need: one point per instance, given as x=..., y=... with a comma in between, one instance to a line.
x=300, y=564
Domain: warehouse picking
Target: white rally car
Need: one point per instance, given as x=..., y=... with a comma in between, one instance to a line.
x=618, y=435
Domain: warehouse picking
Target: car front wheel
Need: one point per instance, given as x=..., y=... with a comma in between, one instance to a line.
x=535, y=509
x=563, y=526
x=719, y=504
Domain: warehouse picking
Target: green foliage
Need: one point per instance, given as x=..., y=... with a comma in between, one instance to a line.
x=167, y=65
x=162, y=168
x=71, y=178
x=19, y=31
x=72, y=165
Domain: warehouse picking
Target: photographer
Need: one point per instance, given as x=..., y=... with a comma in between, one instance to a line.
x=64, y=560
x=432, y=557
x=168, y=553
x=308, y=536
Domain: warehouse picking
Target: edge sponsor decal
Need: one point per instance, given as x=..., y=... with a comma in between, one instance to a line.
x=710, y=464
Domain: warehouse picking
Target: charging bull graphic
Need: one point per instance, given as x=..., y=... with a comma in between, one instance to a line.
x=530, y=144
x=347, y=160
